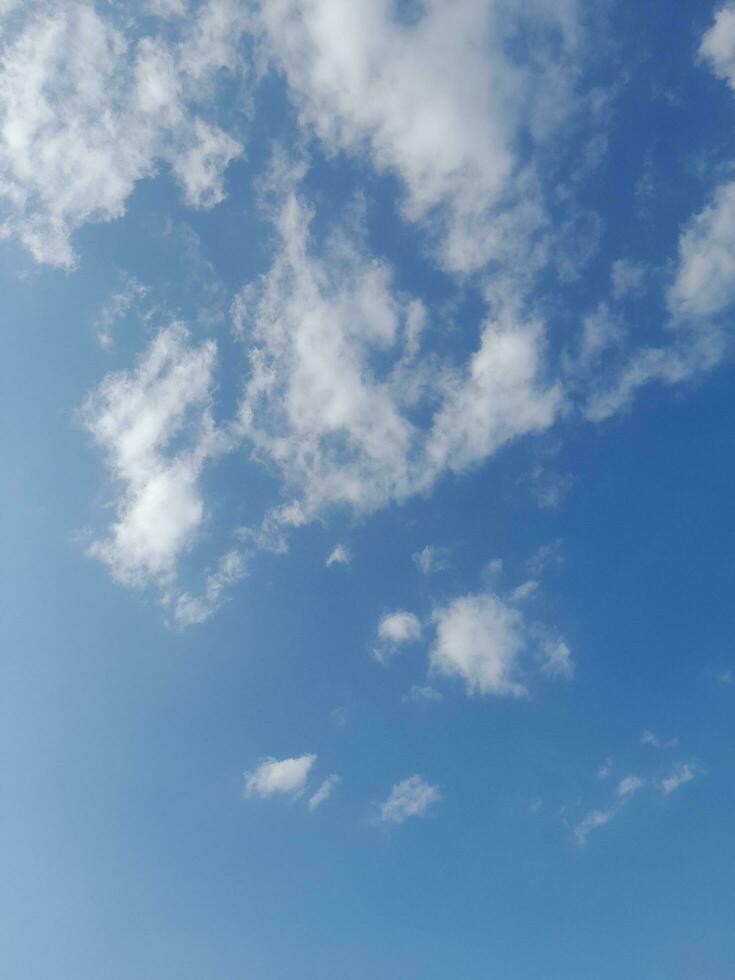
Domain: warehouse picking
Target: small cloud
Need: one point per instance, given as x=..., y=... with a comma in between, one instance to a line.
x=550, y=488
x=726, y=677
x=431, y=559
x=545, y=557
x=189, y=610
x=412, y=797
x=556, y=657
x=536, y=805
x=493, y=571
x=605, y=769
x=273, y=776
x=683, y=773
x=419, y=693
x=649, y=738
x=116, y=307
x=324, y=791
x=395, y=630
x=626, y=277
x=339, y=555
x=523, y=591
x=592, y=821
x=628, y=786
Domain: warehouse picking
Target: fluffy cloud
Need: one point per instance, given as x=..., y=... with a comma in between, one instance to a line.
x=718, y=44
x=395, y=630
x=313, y=404
x=499, y=397
x=412, y=797
x=488, y=641
x=438, y=99
x=705, y=279
x=324, y=792
x=272, y=776
x=155, y=427
x=337, y=382
x=86, y=112
x=480, y=638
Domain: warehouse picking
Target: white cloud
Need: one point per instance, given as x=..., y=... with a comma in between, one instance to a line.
x=341, y=429
x=155, y=427
x=705, y=279
x=86, y=113
x=431, y=558
x=484, y=639
x=629, y=785
x=718, y=44
x=480, y=638
x=339, y=555
x=650, y=738
x=500, y=396
x=324, y=792
x=592, y=821
x=412, y=797
x=556, y=657
x=439, y=101
x=273, y=776
x=681, y=774
x=313, y=403
x=693, y=353
x=395, y=630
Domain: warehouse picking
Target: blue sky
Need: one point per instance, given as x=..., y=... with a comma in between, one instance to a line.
x=367, y=488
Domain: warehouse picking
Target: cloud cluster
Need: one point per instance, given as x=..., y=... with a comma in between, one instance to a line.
x=442, y=100
x=628, y=787
x=338, y=385
x=87, y=110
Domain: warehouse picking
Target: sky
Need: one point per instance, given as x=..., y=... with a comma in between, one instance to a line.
x=367, y=487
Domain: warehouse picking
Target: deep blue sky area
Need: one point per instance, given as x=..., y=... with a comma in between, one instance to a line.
x=367, y=480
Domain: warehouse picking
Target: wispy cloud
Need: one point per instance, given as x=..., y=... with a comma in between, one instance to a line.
x=681, y=774
x=411, y=797
x=339, y=555
x=324, y=791
x=650, y=738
